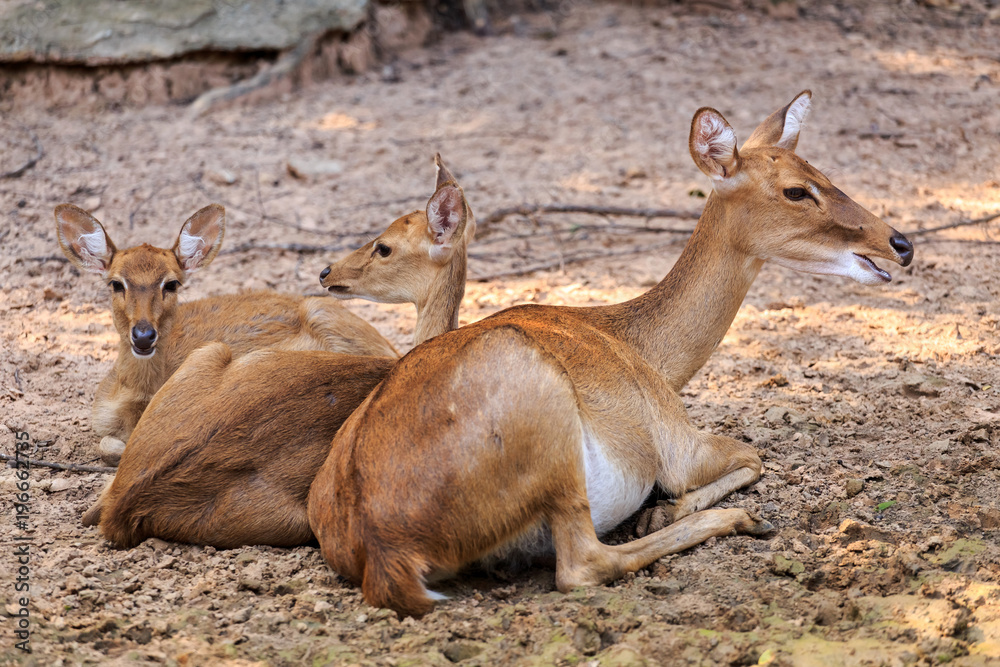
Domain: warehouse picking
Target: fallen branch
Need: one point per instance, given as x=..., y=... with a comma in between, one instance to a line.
x=284, y=65
x=71, y=467
x=14, y=173
x=960, y=223
x=536, y=209
x=293, y=247
x=564, y=260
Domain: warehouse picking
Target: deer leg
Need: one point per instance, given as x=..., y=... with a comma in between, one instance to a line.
x=582, y=560
x=717, y=467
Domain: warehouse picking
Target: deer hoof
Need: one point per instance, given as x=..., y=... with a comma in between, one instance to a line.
x=754, y=525
x=111, y=450
x=655, y=518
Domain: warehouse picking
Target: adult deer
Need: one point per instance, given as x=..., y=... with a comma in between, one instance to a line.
x=226, y=451
x=544, y=418
x=157, y=332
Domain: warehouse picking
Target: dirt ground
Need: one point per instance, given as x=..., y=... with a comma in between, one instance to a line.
x=875, y=409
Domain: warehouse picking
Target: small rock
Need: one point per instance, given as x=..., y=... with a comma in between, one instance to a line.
x=241, y=616
x=221, y=176
x=787, y=566
x=51, y=295
x=635, y=172
x=60, y=484
x=250, y=584
x=854, y=487
x=989, y=518
x=321, y=606
x=775, y=415
x=459, y=651
x=157, y=544
x=306, y=168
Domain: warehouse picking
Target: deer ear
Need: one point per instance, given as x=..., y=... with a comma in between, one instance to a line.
x=200, y=238
x=446, y=220
x=782, y=127
x=443, y=173
x=713, y=145
x=83, y=239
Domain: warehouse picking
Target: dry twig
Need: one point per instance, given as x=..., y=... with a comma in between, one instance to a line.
x=284, y=65
x=71, y=467
x=538, y=209
x=960, y=223
x=14, y=173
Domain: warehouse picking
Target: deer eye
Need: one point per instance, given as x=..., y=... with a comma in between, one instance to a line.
x=171, y=286
x=383, y=250
x=795, y=194
x=117, y=286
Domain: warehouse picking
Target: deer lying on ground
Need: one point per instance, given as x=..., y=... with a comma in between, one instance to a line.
x=226, y=451
x=543, y=427
x=157, y=333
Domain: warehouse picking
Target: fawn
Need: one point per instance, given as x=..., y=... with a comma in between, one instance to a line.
x=542, y=427
x=226, y=451
x=157, y=333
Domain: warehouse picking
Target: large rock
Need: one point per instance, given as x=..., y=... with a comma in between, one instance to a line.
x=101, y=32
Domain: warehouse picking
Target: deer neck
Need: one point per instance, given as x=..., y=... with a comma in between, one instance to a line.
x=678, y=324
x=438, y=312
x=143, y=377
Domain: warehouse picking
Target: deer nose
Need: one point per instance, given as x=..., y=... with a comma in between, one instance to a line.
x=323, y=274
x=143, y=335
x=903, y=247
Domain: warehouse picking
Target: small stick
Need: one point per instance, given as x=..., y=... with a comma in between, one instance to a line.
x=961, y=223
x=293, y=247
x=533, y=209
x=562, y=261
x=31, y=161
x=71, y=467
x=284, y=65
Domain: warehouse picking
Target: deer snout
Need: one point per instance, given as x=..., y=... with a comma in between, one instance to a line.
x=903, y=248
x=143, y=338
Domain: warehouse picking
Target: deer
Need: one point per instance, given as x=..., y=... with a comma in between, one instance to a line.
x=157, y=332
x=226, y=451
x=540, y=428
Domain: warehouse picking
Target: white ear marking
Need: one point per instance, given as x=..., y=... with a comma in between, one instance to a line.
x=93, y=243
x=794, y=117
x=192, y=250
x=715, y=142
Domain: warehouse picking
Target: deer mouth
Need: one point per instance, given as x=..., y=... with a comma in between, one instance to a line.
x=140, y=353
x=867, y=264
x=338, y=289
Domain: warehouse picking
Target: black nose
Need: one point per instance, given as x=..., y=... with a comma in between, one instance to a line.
x=902, y=245
x=143, y=335
x=323, y=274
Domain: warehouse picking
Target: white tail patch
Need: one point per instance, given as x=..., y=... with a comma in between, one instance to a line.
x=794, y=117
x=434, y=595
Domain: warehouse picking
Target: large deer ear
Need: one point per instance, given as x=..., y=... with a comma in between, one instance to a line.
x=781, y=128
x=83, y=239
x=713, y=145
x=443, y=173
x=200, y=238
x=446, y=219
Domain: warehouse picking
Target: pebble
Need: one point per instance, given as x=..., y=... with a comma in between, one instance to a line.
x=854, y=487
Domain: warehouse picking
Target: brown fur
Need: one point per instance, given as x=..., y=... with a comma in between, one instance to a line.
x=226, y=451
x=246, y=321
x=481, y=437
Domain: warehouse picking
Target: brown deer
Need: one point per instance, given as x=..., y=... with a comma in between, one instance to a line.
x=157, y=332
x=542, y=427
x=226, y=451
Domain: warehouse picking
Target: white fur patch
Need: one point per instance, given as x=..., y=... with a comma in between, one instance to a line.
x=844, y=264
x=434, y=595
x=714, y=141
x=612, y=495
x=192, y=250
x=93, y=249
x=794, y=117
